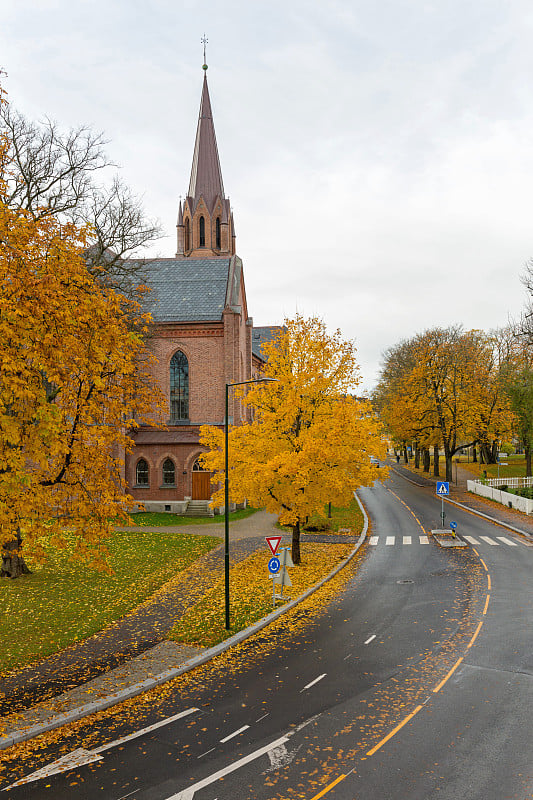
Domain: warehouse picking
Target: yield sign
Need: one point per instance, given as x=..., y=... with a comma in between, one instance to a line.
x=273, y=543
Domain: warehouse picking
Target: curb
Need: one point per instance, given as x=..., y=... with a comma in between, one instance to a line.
x=467, y=508
x=151, y=683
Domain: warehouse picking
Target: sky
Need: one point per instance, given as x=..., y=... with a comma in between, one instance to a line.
x=378, y=154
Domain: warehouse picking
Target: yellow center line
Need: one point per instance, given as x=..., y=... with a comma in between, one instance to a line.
x=474, y=637
x=486, y=604
x=410, y=510
x=327, y=789
x=450, y=673
x=486, y=570
x=488, y=581
x=394, y=731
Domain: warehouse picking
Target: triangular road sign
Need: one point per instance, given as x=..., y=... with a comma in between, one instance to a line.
x=273, y=542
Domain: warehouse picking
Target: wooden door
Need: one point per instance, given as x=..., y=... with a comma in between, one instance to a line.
x=201, y=485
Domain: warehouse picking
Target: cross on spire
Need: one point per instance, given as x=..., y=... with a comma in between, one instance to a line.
x=204, y=41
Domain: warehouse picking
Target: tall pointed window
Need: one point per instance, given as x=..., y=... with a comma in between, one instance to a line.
x=179, y=387
x=169, y=472
x=201, y=225
x=217, y=232
x=142, y=473
x=187, y=235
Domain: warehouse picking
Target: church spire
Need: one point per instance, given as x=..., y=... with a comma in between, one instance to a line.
x=205, y=225
x=206, y=175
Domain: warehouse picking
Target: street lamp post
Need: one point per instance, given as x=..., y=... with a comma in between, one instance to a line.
x=226, y=492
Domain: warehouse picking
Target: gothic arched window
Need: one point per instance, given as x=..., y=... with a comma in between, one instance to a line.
x=179, y=387
x=187, y=235
x=142, y=473
x=169, y=472
x=217, y=233
x=201, y=226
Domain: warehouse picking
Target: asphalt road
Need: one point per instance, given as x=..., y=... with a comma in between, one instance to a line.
x=415, y=683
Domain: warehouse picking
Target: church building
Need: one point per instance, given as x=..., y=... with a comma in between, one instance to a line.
x=202, y=338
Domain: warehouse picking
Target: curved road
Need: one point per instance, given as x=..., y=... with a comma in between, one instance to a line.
x=416, y=682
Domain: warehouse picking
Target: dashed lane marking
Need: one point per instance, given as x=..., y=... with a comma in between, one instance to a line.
x=235, y=733
x=313, y=682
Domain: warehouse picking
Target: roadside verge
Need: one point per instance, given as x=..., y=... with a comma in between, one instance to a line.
x=45, y=717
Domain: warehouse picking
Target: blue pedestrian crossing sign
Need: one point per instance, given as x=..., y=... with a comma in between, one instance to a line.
x=443, y=488
x=453, y=526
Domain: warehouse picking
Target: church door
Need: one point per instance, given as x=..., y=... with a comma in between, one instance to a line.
x=201, y=483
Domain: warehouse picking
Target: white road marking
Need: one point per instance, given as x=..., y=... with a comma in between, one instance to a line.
x=390, y=540
x=423, y=540
x=80, y=757
x=406, y=540
x=150, y=728
x=374, y=539
x=235, y=733
x=371, y=639
x=188, y=794
x=206, y=752
x=505, y=540
x=313, y=682
x=488, y=540
x=264, y=715
x=471, y=539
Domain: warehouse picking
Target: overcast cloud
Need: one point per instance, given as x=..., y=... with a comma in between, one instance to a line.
x=378, y=155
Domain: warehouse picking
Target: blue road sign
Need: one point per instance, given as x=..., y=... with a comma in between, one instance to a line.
x=453, y=526
x=273, y=565
x=443, y=488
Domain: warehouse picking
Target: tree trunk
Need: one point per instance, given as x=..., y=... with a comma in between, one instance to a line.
x=527, y=449
x=405, y=456
x=426, y=459
x=474, y=454
x=436, y=472
x=296, y=543
x=449, y=467
x=13, y=564
x=417, y=457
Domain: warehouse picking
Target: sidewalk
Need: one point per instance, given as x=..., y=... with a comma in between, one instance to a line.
x=154, y=666
x=507, y=517
x=136, y=644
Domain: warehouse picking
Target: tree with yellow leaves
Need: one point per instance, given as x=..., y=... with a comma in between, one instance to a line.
x=73, y=382
x=449, y=394
x=310, y=440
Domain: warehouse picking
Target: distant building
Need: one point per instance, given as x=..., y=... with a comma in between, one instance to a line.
x=203, y=335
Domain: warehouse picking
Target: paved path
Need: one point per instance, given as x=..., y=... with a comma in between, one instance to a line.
x=146, y=627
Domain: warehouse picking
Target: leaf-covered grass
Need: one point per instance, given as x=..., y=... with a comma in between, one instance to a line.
x=251, y=594
x=350, y=518
x=61, y=603
x=513, y=466
x=157, y=519
x=341, y=518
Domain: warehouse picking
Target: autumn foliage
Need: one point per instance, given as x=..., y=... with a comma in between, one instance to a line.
x=73, y=382
x=443, y=389
x=310, y=440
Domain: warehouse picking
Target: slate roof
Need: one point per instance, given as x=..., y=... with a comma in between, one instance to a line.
x=187, y=289
x=262, y=335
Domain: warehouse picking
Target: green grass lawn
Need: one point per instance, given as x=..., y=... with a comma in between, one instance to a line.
x=156, y=519
x=511, y=467
x=350, y=517
x=61, y=603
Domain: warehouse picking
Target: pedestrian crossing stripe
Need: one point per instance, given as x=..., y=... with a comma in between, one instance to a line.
x=390, y=541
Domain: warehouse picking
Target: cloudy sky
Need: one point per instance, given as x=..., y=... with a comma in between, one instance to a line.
x=378, y=153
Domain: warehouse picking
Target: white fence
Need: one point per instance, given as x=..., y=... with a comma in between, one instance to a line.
x=513, y=483
x=505, y=498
